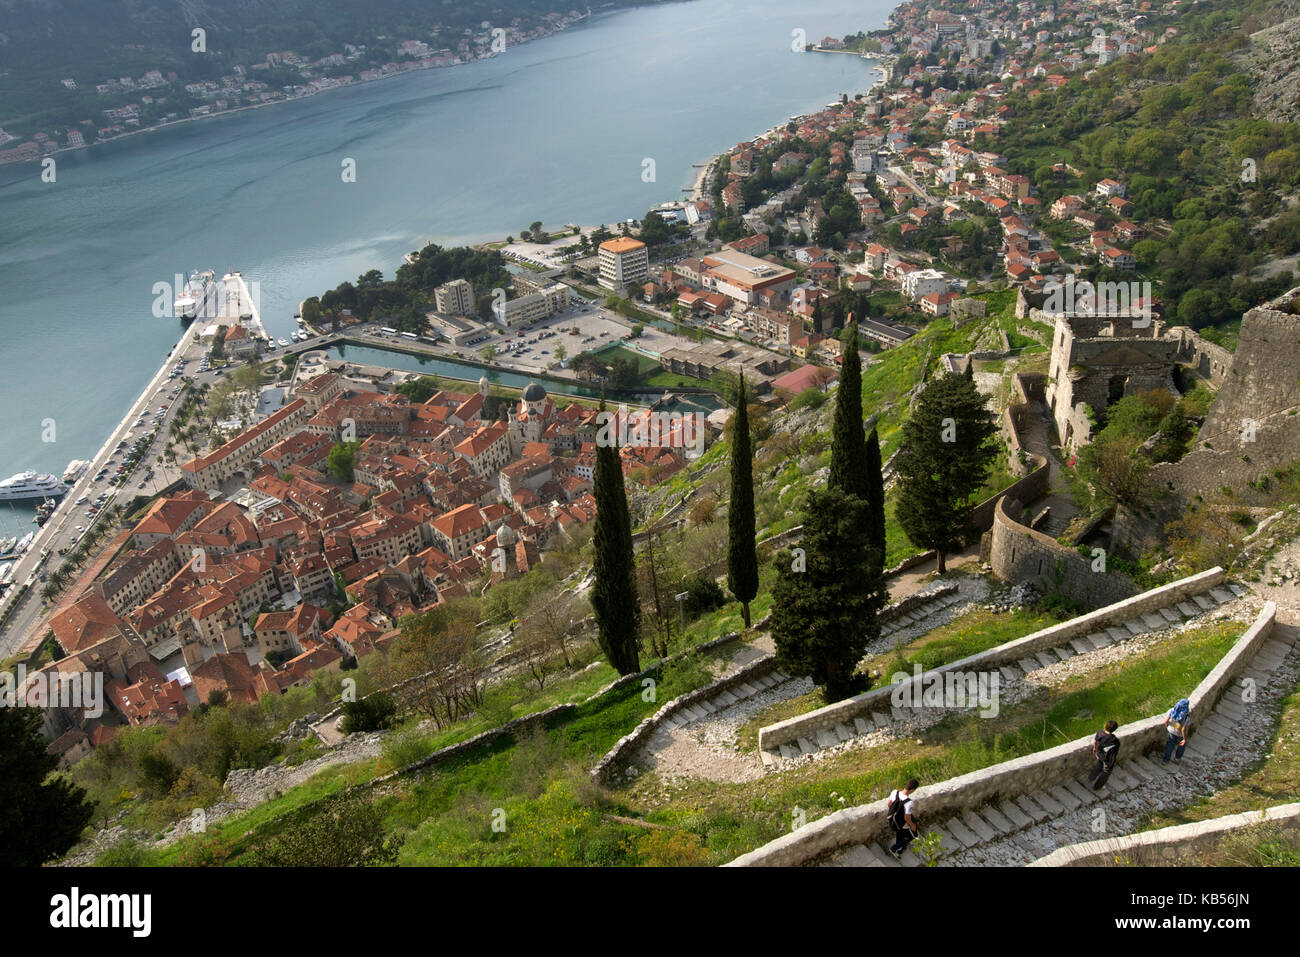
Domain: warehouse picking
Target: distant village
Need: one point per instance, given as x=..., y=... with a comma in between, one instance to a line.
x=156, y=98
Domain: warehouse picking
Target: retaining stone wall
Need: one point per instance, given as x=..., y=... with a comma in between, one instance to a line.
x=866, y=823
x=878, y=699
x=1021, y=554
x=1182, y=843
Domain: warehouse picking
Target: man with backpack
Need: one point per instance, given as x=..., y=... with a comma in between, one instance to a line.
x=1105, y=748
x=901, y=810
x=1176, y=726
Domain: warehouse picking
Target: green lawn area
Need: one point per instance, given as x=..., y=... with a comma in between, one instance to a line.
x=644, y=362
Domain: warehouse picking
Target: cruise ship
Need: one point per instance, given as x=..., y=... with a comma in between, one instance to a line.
x=193, y=299
x=30, y=485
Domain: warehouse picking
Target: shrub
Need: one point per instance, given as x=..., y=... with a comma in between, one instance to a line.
x=372, y=713
x=703, y=595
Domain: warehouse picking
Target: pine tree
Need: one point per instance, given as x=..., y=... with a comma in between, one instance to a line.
x=848, y=445
x=944, y=459
x=742, y=557
x=614, y=598
x=822, y=616
x=876, y=498
x=40, y=819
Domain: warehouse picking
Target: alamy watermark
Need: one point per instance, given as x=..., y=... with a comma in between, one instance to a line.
x=53, y=689
x=947, y=689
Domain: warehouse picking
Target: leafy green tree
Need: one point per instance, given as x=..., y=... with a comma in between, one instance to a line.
x=742, y=557
x=341, y=459
x=41, y=817
x=371, y=713
x=614, y=598
x=945, y=455
x=822, y=618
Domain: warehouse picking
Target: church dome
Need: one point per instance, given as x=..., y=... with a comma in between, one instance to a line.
x=483, y=385
x=505, y=536
x=534, y=393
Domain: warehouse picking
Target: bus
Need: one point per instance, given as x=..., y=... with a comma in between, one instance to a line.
x=410, y=335
x=388, y=331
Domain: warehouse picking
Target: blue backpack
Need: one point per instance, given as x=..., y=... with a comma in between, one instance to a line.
x=1181, y=711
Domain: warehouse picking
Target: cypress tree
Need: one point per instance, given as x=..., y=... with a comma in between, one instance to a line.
x=848, y=444
x=614, y=598
x=742, y=557
x=876, y=499
x=823, y=618
x=944, y=459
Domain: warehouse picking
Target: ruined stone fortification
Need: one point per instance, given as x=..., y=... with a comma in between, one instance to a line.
x=1252, y=428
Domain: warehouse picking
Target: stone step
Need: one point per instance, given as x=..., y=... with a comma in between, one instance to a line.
x=765, y=681
x=961, y=833
x=1221, y=595
x=1135, y=627
x=859, y=856
x=1015, y=815
x=1030, y=805
x=706, y=706
x=746, y=690
x=727, y=698
x=1118, y=635
x=1153, y=622
x=862, y=726
x=1188, y=610
x=780, y=676
x=1028, y=664
x=1082, y=646
x=882, y=856
x=1100, y=640
x=1275, y=647
x=788, y=752
x=998, y=820
x=946, y=844
x=899, y=714
x=1065, y=654
x=1155, y=761
x=768, y=758
x=826, y=738
x=1171, y=616
x=1236, y=589
x=1121, y=780
x=1217, y=723
x=977, y=824
x=1050, y=804
x=1138, y=769
x=1047, y=658
x=1010, y=673
x=880, y=720
x=843, y=732
x=1203, y=602
x=806, y=746
x=1233, y=712
x=1064, y=797
x=1084, y=793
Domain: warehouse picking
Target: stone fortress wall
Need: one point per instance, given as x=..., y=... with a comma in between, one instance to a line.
x=1252, y=428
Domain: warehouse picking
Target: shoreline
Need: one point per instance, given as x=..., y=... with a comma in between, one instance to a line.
x=119, y=137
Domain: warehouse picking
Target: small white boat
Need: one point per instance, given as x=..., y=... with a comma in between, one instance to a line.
x=283, y=341
x=270, y=344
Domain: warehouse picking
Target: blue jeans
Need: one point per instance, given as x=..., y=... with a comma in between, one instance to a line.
x=1173, y=743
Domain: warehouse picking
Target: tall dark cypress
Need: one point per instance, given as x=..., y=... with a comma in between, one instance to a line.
x=876, y=498
x=848, y=444
x=742, y=556
x=614, y=598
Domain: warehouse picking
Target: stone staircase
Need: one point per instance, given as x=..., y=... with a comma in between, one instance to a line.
x=723, y=699
x=920, y=613
x=1001, y=821
x=1168, y=617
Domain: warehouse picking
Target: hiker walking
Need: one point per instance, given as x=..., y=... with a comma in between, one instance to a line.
x=1105, y=748
x=1176, y=726
x=902, y=807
